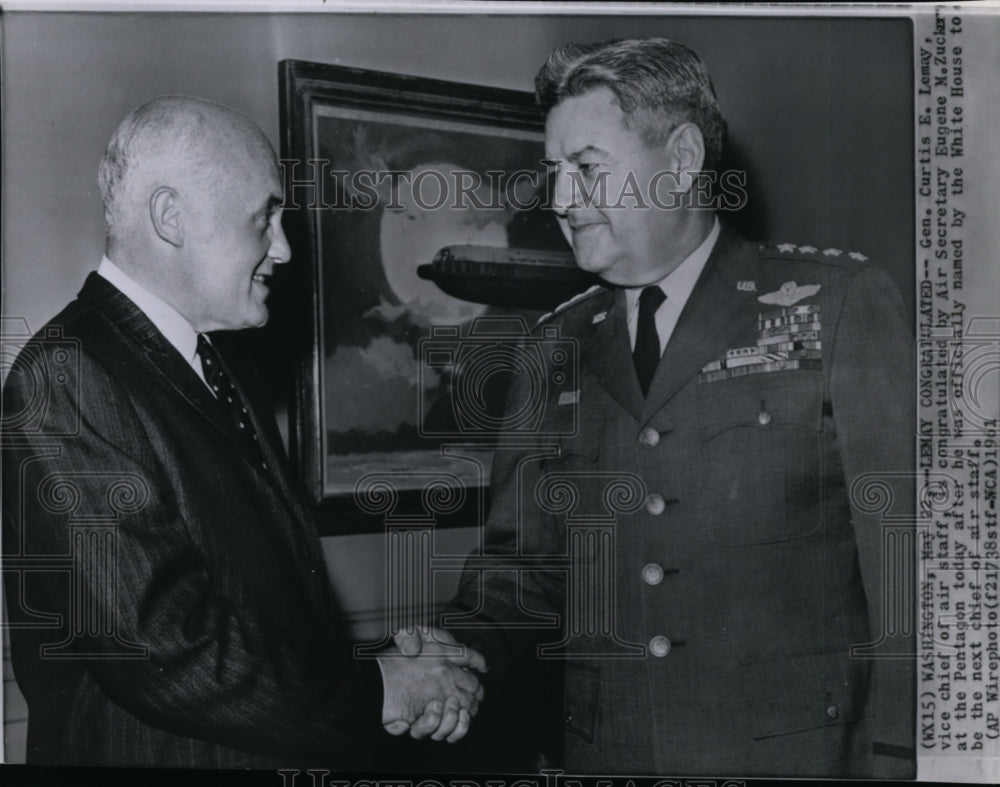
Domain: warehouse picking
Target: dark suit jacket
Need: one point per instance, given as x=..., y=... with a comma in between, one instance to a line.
x=169, y=600
x=716, y=638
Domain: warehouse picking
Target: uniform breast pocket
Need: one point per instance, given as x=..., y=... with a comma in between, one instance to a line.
x=761, y=451
x=817, y=690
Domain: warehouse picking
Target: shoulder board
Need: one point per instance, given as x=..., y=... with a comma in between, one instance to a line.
x=793, y=251
x=575, y=299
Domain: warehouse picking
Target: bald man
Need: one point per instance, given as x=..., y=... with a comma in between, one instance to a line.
x=166, y=586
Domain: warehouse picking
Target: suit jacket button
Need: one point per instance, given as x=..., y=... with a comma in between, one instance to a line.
x=652, y=574
x=832, y=711
x=655, y=504
x=649, y=437
x=659, y=646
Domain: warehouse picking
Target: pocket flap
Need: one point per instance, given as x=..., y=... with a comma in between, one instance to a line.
x=761, y=401
x=800, y=693
x=585, y=443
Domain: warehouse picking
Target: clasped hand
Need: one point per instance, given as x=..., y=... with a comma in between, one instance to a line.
x=429, y=685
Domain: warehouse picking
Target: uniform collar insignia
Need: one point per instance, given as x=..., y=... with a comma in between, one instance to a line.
x=789, y=293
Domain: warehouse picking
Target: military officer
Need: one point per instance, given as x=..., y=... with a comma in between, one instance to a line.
x=703, y=526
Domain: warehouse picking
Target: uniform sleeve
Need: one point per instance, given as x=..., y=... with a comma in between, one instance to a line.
x=872, y=392
x=210, y=668
x=498, y=601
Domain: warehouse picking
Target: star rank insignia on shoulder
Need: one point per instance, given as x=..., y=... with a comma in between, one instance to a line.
x=831, y=253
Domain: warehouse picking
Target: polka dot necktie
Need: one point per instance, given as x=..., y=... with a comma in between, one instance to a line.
x=224, y=390
x=646, y=355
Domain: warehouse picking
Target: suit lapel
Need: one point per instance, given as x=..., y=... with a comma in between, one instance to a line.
x=177, y=375
x=608, y=354
x=175, y=372
x=163, y=356
x=714, y=318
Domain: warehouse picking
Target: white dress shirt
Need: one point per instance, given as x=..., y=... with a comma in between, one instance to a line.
x=166, y=318
x=677, y=286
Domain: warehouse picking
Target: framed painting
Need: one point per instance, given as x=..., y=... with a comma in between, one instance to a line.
x=382, y=172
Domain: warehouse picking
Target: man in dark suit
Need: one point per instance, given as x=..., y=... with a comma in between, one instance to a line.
x=167, y=593
x=707, y=526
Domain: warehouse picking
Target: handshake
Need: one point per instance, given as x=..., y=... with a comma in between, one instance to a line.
x=429, y=685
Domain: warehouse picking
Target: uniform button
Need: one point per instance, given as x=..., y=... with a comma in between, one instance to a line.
x=659, y=646
x=649, y=437
x=763, y=418
x=569, y=719
x=655, y=504
x=652, y=574
x=832, y=711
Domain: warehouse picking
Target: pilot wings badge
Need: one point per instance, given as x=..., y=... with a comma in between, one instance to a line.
x=789, y=293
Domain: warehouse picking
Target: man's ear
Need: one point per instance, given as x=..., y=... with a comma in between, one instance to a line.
x=686, y=148
x=165, y=214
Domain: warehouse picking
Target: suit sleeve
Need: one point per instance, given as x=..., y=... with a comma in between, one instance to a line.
x=212, y=669
x=872, y=392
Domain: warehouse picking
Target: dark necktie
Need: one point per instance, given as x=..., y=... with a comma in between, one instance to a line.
x=224, y=390
x=647, y=343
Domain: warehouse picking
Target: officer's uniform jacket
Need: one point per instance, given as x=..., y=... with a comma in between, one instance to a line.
x=715, y=550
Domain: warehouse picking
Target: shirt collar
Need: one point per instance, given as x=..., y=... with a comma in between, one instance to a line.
x=168, y=321
x=679, y=283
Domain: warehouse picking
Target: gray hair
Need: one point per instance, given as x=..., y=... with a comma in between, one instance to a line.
x=657, y=83
x=165, y=137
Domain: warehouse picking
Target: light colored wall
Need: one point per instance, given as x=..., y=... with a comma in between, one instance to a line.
x=830, y=156
x=820, y=111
